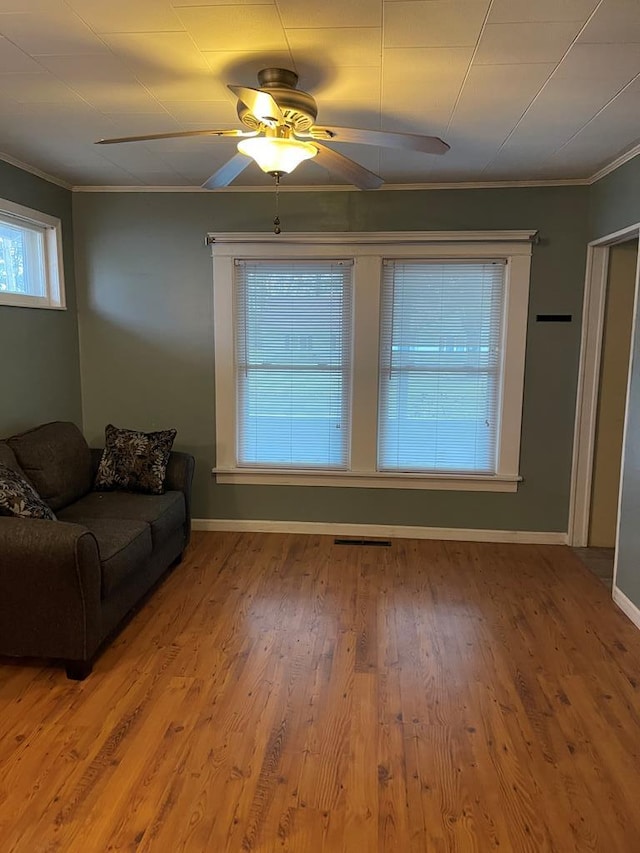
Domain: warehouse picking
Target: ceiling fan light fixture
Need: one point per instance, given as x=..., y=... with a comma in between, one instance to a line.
x=277, y=155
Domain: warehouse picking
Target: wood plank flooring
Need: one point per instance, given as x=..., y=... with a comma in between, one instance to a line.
x=598, y=560
x=283, y=693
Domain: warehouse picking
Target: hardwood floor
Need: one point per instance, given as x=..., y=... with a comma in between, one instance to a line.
x=282, y=693
x=600, y=561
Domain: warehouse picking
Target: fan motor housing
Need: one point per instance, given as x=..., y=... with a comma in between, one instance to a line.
x=299, y=108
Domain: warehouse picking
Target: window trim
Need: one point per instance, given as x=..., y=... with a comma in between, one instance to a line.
x=368, y=250
x=54, y=271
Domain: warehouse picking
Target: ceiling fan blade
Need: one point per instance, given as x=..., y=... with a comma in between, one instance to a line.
x=226, y=173
x=261, y=104
x=346, y=168
x=386, y=139
x=178, y=135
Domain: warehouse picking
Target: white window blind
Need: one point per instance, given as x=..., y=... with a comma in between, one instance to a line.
x=293, y=322
x=440, y=365
x=22, y=257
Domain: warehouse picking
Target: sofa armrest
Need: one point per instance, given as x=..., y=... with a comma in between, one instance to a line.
x=49, y=589
x=179, y=477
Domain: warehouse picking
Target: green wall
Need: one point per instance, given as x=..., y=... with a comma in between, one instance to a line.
x=614, y=205
x=145, y=303
x=614, y=201
x=40, y=374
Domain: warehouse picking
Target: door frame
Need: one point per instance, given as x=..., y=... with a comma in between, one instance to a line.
x=593, y=311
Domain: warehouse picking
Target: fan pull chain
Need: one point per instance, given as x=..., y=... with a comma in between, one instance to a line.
x=276, y=221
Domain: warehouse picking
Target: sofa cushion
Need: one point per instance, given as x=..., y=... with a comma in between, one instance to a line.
x=164, y=513
x=19, y=498
x=135, y=461
x=8, y=458
x=123, y=546
x=56, y=459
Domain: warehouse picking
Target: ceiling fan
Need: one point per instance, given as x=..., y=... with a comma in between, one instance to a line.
x=280, y=120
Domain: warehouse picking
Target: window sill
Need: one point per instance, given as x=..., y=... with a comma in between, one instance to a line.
x=376, y=480
x=19, y=301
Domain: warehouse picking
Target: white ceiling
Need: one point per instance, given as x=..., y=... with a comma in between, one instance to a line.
x=521, y=89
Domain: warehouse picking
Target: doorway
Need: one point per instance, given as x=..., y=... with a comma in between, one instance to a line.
x=612, y=394
x=607, y=332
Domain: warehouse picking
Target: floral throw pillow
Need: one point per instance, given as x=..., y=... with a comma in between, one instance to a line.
x=134, y=461
x=19, y=498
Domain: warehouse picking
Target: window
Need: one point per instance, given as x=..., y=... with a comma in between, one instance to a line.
x=30, y=258
x=440, y=365
x=372, y=360
x=293, y=360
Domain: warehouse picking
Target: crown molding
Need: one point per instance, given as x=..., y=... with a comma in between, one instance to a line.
x=450, y=185
x=12, y=161
x=615, y=164
x=337, y=188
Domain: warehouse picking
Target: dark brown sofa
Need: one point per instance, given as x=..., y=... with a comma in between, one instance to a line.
x=66, y=585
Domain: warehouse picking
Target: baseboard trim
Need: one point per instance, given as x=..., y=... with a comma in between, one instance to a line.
x=389, y=531
x=627, y=606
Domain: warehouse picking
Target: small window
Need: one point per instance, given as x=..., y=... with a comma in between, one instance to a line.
x=30, y=258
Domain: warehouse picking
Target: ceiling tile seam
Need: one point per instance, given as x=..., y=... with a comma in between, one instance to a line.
x=118, y=58
x=511, y=62
x=378, y=149
x=284, y=33
x=219, y=5
x=381, y=73
x=108, y=116
x=94, y=32
x=25, y=73
x=595, y=116
x=616, y=43
x=341, y=27
x=166, y=164
x=140, y=32
x=380, y=70
x=152, y=151
x=204, y=59
x=544, y=85
x=98, y=35
x=103, y=156
x=433, y=47
x=545, y=21
x=23, y=52
x=469, y=66
x=46, y=71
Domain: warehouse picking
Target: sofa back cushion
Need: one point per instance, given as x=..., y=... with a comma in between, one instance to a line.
x=57, y=460
x=7, y=457
x=19, y=498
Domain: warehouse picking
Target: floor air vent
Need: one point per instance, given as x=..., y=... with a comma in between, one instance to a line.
x=379, y=542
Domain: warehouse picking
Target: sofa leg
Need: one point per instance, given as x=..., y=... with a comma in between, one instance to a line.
x=78, y=670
